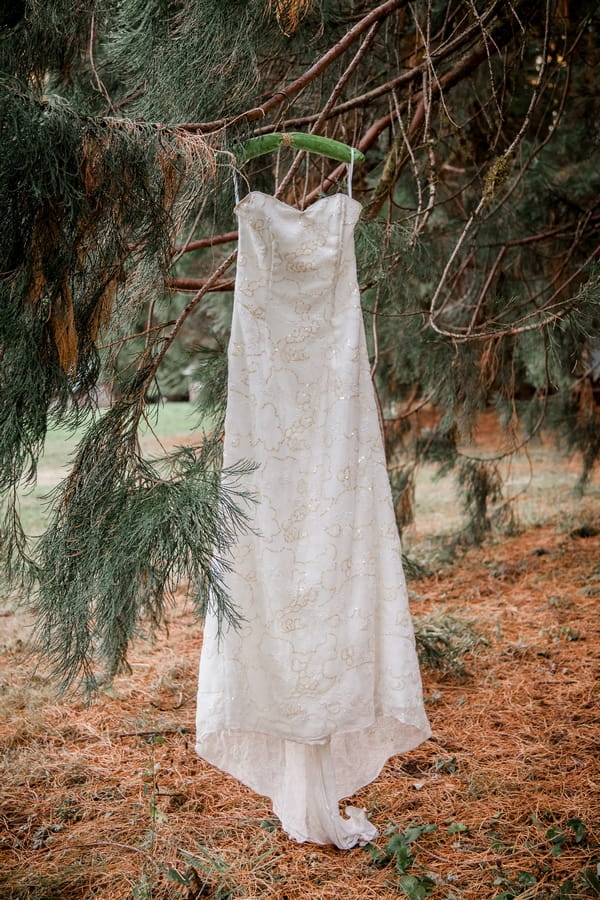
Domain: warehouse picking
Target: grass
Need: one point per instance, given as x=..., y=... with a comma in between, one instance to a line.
x=530, y=478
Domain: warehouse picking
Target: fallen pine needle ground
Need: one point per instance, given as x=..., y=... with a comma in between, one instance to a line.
x=109, y=800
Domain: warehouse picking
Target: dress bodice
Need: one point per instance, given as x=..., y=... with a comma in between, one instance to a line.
x=296, y=255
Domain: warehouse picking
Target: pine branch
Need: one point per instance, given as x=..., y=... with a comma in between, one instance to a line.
x=444, y=52
x=199, y=284
x=226, y=238
x=342, y=80
x=291, y=90
x=548, y=233
x=189, y=309
x=124, y=537
x=100, y=84
x=464, y=68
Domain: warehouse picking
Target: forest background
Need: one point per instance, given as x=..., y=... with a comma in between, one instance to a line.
x=477, y=251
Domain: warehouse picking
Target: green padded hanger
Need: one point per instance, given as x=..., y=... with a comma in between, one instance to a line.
x=267, y=143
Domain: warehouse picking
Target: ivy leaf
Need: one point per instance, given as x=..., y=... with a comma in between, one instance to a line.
x=526, y=879
x=557, y=839
x=578, y=827
x=591, y=879
x=413, y=832
x=404, y=858
x=416, y=888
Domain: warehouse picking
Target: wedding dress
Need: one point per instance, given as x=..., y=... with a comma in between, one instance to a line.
x=320, y=684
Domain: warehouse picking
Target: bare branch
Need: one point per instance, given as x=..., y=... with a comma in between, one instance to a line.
x=285, y=94
x=198, y=284
x=489, y=188
x=366, y=44
x=100, y=84
x=444, y=52
x=226, y=238
x=467, y=65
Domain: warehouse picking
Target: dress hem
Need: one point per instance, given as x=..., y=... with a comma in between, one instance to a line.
x=358, y=756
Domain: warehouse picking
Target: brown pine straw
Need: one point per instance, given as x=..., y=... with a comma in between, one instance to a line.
x=289, y=13
x=101, y=801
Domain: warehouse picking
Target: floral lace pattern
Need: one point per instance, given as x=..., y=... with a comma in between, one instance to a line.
x=320, y=684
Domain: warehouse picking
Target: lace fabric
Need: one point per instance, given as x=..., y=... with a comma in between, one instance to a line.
x=320, y=684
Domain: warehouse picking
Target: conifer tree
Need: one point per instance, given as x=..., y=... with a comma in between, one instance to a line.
x=478, y=249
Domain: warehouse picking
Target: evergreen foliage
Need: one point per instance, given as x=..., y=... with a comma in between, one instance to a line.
x=41, y=40
x=481, y=486
x=124, y=535
x=477, y=252
x=73, y=235
x=185, y=62
x=443, y=641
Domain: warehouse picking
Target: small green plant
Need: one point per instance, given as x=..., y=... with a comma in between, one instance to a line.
x=206, y=874
x=143, y=889
x=514, y=886
x=559, y=837
x=523, y=884
x=591, y=879
x=397, y=853
x=562, y=633
x=573, y=832
x=416, y=887
x=446, y=765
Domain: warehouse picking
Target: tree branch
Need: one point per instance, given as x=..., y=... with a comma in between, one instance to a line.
x=467, y=65
x=225, y=238
x=330, y=103
x=286, y=93
x=99, y=83
x=198, y=284
x=206, y=287
x=542, y=235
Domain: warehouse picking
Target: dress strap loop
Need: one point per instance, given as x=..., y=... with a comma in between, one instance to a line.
x=236, y=187
x=350, y=172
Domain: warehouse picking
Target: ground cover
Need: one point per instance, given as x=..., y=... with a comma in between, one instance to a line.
x=108, y=800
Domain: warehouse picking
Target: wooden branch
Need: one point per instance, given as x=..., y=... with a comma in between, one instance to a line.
x=442, y=52
x=132, y=337
x=466, y=65
x=198, y=284
x=562, y=307
x=364, y=99
x=361, y=100
x=489, y=189
x=225, y=238
x=99, y=83
x=463, y=68
x=177, y=729
x=485, y=288
x=364, y=47
x=542, y=235
x=286, y=93
x=207, y=285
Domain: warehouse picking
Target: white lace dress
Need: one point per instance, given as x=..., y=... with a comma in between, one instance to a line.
x=320, y=684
